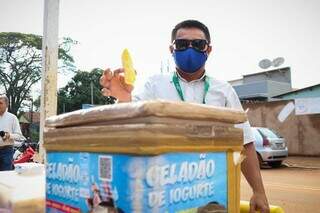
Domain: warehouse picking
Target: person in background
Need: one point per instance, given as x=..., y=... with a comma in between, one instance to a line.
x=9, y=132
x=190, y=48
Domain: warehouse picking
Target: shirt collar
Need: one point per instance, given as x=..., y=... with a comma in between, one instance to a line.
x=196, y=80
x=4, y=113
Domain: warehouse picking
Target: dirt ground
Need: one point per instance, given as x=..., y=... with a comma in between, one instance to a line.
x=295, y=186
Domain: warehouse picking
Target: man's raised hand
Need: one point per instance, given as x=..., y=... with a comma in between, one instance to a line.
x=113, y=83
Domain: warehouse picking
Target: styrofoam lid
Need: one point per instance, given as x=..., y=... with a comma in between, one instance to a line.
x=143, y=109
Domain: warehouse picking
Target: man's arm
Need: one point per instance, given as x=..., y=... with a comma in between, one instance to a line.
x=251, y=170
x=250, y=166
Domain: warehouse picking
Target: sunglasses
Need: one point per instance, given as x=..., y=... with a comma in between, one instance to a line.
x=197, y=44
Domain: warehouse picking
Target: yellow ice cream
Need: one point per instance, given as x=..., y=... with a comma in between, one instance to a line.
x=129, y=71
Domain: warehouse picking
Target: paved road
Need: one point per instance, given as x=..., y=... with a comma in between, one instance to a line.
x=295, y=188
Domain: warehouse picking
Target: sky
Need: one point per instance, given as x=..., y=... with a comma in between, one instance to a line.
x=243, y=33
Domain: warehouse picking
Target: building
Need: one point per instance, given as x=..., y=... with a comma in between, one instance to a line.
x=263, y=86
x=269, y=94
x=29, y=123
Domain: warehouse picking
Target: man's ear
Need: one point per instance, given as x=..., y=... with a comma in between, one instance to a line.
x=171, y=49
x=209, y=50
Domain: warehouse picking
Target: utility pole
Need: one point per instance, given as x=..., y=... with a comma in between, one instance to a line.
x=31, y=117
x=48, y=105
x=91, y=85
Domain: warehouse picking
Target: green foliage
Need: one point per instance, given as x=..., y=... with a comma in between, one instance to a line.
x=34, y=135
x=78, y=91
x=21, y=63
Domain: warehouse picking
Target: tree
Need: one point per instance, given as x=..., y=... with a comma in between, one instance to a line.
x=78, y=91
x=20, y=64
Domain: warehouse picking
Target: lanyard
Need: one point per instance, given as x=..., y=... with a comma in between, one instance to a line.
x=179, y=90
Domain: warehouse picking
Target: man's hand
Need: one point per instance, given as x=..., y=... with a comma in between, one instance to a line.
x=251, y=170
x=259, y=202
x=113, y=84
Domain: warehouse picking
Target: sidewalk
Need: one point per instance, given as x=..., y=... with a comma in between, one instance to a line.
x=303, y=162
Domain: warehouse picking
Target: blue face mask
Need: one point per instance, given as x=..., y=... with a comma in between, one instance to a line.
x=189, y=60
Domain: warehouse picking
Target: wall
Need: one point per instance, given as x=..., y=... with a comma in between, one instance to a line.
x=257, y=89
x=302, y=133
x=266, y=89
x=276, y=88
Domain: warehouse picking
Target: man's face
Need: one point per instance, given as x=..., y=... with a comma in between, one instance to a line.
x=3, y=106
x=190, y=34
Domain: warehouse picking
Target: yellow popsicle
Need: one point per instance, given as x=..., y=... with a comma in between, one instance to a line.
x=129, y=71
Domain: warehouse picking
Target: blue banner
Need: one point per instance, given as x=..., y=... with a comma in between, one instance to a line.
x=175, y=182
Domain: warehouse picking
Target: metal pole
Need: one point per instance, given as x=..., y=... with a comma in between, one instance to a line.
x=31, y=118
x=48, y=105
x=91, y=84
x=31, y=115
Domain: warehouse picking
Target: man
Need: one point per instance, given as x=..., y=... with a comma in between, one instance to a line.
x=9, y=131
x=190, y=48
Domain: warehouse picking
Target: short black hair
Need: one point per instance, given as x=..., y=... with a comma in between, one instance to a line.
x=191, y=24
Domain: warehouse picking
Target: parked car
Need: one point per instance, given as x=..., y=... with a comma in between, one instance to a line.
x=270, y=146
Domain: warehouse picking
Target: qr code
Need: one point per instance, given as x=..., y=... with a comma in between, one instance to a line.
x=105, y=168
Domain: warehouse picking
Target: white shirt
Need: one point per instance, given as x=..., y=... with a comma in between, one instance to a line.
x=9, y=123
x=220, y=94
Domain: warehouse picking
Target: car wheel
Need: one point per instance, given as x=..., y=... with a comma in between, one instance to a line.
x=275, y=164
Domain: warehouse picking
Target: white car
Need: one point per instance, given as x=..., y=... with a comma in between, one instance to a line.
x=270, y=146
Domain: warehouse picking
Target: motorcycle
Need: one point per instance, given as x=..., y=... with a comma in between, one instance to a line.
x=25, y=151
